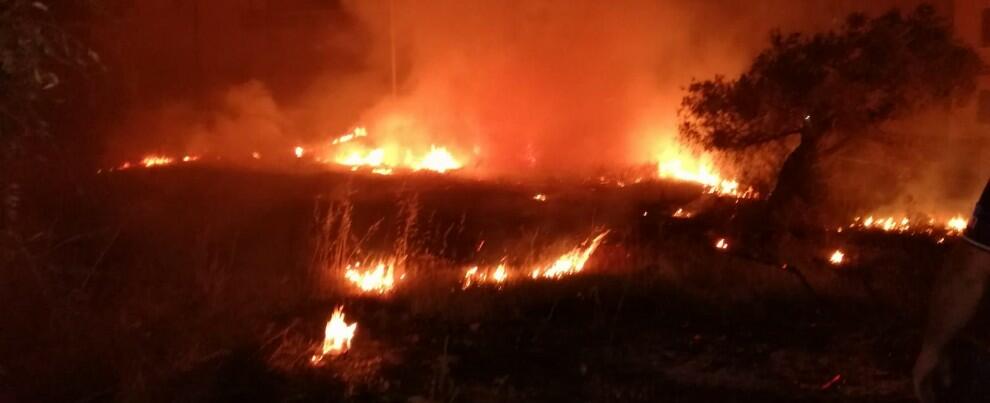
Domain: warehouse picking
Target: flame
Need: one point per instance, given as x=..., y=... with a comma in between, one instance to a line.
x=380, y=279
x=154, y=161
x=703, y=173
x=569, y=263
x=356, y=159
x=903, y=224
x=385, y=159
x=337, y=336
x=540, y=197
x=437, y=160
x=957, y=224
x=299, y=152
x=722, y=244
x=473, y=276
x=837, y=258
x=680, y=213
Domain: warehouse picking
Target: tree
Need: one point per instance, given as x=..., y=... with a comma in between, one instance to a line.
x=828, y=90
x=34, y=53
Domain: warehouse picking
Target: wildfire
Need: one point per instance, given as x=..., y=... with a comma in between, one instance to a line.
x=358, y=132
x=152, y=161
x=957, y=224
x=385, y=159
x=903, y=224
x=474, y=276
x=380, y=279
x=156, y=160
x=837, y=258
x=569, y=263
x=337, y=336
x=703, y=173
x=437, y=160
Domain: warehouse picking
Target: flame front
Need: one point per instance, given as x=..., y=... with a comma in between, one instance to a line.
x=902, y=224
x=681, y=166
x=337, y=336
x=380, y=279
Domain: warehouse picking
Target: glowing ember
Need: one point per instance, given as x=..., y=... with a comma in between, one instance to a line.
x=299, y=151
x=380, y=279
x=569, y=263
x=721, y=244
x=540, y=197
x=837, y=258
x=337, y=336
x=473, y=277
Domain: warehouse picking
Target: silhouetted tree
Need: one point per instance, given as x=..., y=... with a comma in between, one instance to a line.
x=34, y=52
x=828, y=89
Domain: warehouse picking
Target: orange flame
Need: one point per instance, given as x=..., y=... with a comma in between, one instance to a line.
x=475, y=277
x=569, y=263
x=380, y=279
x=337, y=336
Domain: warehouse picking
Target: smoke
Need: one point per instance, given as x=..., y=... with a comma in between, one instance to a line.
x=514, y=87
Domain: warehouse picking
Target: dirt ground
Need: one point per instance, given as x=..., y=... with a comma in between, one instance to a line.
x=198, y=284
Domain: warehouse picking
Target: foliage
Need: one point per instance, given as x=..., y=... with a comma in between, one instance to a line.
x=834, y=86
x=34, y=53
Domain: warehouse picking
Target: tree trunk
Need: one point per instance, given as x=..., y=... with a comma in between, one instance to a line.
x=798, y=183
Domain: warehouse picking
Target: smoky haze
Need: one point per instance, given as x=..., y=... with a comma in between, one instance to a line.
x=516, y=87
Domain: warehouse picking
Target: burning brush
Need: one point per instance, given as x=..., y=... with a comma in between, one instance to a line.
x=568, y=264
x=337, y=337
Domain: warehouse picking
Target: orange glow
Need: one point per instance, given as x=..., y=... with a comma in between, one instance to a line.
x=957, y=224
x=837, y=258
x=379, y=280
x=540, y=197
x=437, y=160
x=337, y=336
x=722, y=244
x=299, y=152
x=358, y=132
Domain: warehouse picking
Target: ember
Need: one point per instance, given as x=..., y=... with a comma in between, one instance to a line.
x=337, y=336
x=722, y=244
x=837, y=258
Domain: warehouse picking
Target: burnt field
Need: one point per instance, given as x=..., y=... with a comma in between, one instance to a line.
x=202, y=284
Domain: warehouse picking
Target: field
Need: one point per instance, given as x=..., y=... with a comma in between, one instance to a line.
x=196, y=283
